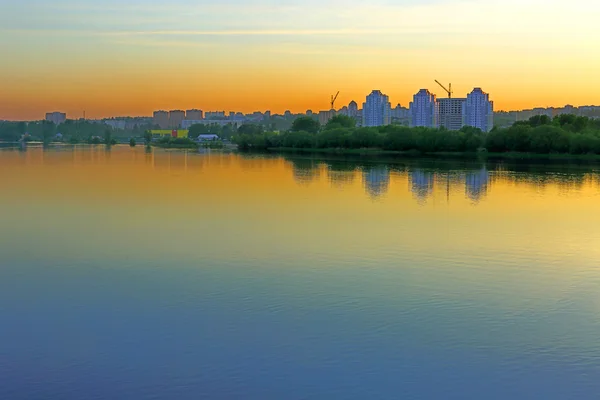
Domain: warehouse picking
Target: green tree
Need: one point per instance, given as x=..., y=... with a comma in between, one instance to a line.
x=108, y=136
x=21, y=128
x=48, y=131
x=132, y=142
x=538, y=120
x=305, y=124
x=147, y=137
x=250, y=129
x=340, y=121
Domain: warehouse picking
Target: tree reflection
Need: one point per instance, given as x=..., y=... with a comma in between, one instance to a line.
x=340, y=174
x=305, y=170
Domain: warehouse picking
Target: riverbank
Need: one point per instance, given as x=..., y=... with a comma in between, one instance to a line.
x=192, y=146
x=373, y=152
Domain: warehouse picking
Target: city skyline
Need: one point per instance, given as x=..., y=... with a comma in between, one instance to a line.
x=116, y=59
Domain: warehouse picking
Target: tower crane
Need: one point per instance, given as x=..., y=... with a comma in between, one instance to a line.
x=333, y=99
x=449, y=90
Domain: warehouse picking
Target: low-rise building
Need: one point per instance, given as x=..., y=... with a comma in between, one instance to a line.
x=56, y=117
x=209, y=137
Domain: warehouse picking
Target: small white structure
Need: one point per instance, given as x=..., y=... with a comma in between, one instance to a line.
x=207, y=137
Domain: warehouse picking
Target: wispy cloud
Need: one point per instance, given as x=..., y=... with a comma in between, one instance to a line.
x=250, y=32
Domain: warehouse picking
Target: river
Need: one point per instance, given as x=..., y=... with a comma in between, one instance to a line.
x=134, y=274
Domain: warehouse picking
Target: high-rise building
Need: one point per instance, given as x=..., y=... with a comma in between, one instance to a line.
x=376, y=110
x=479, y=110
x=161, y=118
x=451, y=113
x=194, y=115
x=56, y=117
x=325, y=116
x=424, y=109
x=400, y=115
x=176, y=117
x=353, y=110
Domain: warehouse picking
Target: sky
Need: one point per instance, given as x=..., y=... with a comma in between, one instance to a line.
x=116, y=58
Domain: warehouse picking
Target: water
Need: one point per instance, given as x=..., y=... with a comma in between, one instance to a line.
x=170, y=275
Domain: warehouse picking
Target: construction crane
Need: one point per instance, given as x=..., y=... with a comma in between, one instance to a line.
x=449, y=90
x=333, y=99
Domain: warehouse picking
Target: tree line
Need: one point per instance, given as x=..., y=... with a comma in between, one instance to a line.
x=565, y=133
x=71, y=131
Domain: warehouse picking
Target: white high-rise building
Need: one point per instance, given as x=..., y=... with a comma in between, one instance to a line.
x=424, y=109
x=479, y=110
x=376, y=110
x=353, y=109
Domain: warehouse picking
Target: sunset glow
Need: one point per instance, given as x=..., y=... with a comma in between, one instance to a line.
x=109, y=58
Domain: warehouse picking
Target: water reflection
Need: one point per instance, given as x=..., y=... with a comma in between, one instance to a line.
x=427, y=179
x=421, y=184
x=340, y=174
x=476, y=184
x=305, y=170
x=376, y=180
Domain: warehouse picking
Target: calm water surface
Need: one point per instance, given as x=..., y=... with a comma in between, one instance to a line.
x=172, y=275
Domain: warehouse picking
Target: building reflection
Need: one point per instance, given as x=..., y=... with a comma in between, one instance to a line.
x=305, y=170
x=476, y=184
x=421, y=184
x=376, y=181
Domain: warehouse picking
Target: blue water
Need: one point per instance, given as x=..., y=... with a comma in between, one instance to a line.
x=279, y=307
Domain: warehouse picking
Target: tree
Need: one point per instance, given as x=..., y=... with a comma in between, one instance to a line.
x=341, y=121
x=108, y=137
x=48, y=131
x=204, y=129
x=305, y=124
x=538, y=120
x=132, y=142
x=147, y=138
x=250, y=129
x=21, y=128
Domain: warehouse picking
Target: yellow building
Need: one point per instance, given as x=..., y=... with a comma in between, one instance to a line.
x=176, y=133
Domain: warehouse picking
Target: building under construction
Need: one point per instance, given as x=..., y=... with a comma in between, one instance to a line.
x=451, y=113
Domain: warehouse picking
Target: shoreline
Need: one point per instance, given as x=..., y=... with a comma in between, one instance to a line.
x=415, y=154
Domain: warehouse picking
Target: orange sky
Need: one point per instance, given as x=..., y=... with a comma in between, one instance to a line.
x=113, y=59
